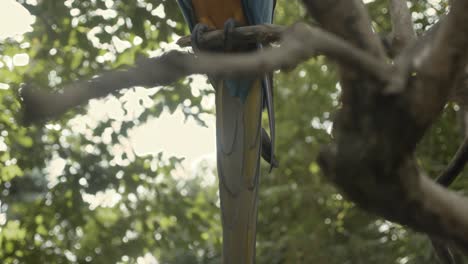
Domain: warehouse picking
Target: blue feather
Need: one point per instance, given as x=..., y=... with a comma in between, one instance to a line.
x=259, y=11
x=239, y=87
x=187, y=11
x=256, y=12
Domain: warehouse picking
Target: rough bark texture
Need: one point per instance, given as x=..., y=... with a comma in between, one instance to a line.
x=402, y=25
x=372, y=158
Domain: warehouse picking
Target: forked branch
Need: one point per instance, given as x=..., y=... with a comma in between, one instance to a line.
x=372, y=158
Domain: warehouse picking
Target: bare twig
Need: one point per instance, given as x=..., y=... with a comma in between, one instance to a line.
x=301, y=42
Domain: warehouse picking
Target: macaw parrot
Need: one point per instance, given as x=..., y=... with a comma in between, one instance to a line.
x=239, y=136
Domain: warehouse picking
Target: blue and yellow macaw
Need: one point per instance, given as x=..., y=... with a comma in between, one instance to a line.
x=240, y=139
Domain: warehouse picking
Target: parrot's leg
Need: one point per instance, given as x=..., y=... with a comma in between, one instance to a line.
x=197, y=34
x=229, y=27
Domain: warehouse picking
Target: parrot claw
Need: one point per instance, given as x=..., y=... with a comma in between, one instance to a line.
x=229, y=27
x=197, y=34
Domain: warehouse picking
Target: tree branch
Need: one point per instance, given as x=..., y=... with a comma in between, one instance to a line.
x=300, y=43
x=406, y=61
x=448, y=50
x=349, y=20
x=456, y=166
x=440, y=64
x=404, y=64
x=446, y=254
x=376, y=133
x=402, y=25
x=266, y=33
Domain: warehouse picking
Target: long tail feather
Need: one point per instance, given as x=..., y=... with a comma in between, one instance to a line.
x=238, y=127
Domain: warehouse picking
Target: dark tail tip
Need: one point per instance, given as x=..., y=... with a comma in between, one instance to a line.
x=267, y=151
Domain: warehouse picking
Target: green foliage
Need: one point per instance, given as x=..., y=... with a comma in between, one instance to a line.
x=47, y=216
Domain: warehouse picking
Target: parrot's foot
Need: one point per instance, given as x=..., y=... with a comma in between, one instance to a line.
x=197, y=34
x=229, y=27
x=267, y=154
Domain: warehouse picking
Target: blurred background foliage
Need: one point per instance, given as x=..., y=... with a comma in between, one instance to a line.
x=74, y=191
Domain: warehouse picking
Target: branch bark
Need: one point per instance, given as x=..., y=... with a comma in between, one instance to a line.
x=300, y=43
x=372, y=160
x=446, y=254
x=266, y=33
x=456, y=166
x=349, y=20
x=402, y=25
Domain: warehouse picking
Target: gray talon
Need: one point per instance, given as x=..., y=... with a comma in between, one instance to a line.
x=229, y=27
x=197, y=34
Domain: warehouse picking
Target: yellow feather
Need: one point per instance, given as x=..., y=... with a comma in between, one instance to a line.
x=214, y=13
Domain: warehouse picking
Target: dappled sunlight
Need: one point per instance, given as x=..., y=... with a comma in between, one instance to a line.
x=55, y=170
x=106, y=199
x=128, y=156
x=175, y=137
x=159, y=11
x=326, y=125
x=148, y=258
x=172, y=134
x=20, y=59
x=15, y=20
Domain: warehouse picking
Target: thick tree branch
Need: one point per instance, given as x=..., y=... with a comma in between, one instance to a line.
x=300, y=43
x=448, y=51
x=402, y=25
x=349, y=20
x=446, y=254
x=376, y=133
x=406, y=61
x=405, y=64
x=440, y=64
